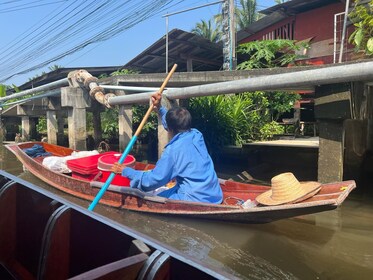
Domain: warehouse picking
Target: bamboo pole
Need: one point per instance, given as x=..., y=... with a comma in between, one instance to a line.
x=130, y=144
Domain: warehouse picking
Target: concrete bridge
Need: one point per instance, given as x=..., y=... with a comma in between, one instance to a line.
x=343, y=106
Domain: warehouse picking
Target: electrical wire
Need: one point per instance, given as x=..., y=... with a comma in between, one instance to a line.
x=73, y=27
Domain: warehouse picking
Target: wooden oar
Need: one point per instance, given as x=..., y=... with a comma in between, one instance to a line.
x=130, y=144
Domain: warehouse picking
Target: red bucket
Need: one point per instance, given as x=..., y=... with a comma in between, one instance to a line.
x=105, y=163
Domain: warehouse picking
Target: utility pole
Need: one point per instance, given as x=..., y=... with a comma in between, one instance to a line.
x=229, y=35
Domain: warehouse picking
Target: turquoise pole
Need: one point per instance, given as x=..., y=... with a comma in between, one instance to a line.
x=112, y=175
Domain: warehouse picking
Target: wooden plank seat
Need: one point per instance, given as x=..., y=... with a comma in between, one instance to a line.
x=79, y=247
x=24, y=216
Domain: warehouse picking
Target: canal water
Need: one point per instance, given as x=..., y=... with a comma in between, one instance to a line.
x=336, y=244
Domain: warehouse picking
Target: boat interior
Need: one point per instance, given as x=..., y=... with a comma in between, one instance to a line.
x=43, y=237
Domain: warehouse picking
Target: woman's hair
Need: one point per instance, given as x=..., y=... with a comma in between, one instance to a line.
x=178, y=119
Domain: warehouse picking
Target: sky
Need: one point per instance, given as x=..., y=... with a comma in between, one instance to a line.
x=19, y=17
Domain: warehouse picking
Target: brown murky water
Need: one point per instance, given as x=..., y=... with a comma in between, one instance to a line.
x=336, y=244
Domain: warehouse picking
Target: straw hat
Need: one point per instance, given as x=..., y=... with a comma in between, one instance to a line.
x=287, y=189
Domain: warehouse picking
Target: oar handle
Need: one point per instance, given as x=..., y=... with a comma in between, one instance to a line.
x=129, y=146
x=141, y=125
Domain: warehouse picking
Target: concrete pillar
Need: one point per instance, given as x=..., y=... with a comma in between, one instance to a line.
x=2, y=132
x=97, y=130
x=370, y=118
x=60, y=129
x=26, y=128
x=52, y=115
x=189, y=64
x=76, y=101
x=125, y=126
x=163, y=137
x=330, y=162
x=52, y=127
x=332, y=107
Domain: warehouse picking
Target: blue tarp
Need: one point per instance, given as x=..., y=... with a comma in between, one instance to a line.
x=36, y=151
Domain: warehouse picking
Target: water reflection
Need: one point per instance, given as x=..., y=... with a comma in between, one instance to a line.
x=330, y=245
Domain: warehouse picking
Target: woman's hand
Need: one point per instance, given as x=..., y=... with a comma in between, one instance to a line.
x=117, y=168
x=156, y=100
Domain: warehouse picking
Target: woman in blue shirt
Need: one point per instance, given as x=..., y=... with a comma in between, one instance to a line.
x=184, y=159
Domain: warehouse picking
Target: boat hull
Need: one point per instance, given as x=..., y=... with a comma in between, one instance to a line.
x=329, y=198
x=43, y=236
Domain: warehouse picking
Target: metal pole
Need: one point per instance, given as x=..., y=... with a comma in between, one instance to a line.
x=335, y=38
x=344, y=31
x=179, y=12
x=166, y=44
x=56, y=84
x=130, y=88
x=362, y=71
x=232, y=31
x=193, y=8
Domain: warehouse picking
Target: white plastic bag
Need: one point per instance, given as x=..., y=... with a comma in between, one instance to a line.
x=57, y=164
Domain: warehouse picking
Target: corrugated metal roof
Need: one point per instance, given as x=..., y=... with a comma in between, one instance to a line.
x=294, y=7
x=182, y=45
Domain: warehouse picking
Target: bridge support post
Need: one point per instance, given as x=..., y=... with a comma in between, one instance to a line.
x=26, y=128
x=163, y=137
x=53, y=117
x=332, y=107
x=52, y=127
x=124, y=124
x=60, y=129
x=77, y=102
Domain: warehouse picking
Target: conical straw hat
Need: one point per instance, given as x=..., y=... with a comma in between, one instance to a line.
x=287, y=189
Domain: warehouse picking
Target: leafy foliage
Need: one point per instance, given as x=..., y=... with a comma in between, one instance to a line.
x=362, y=17
x=124, y=72
x=149, y=130
x=2, y=90
x=118, y=73
x=247, y=15
x=208, y=30
x=41, y=126
x=268, y=53
x=109, y=123
x=240, y=118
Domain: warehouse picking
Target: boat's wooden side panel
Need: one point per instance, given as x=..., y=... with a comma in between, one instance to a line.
x=235, y=193
x=94, y=249
x=44, y=237
x=21, y=229
x=76, y=187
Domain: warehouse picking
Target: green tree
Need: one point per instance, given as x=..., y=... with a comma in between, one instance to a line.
x=251, y=116
x=54, y=67
x=268, y=53
x=362, y=18
x=2, y=90
x=208, y=30
x=247, y=14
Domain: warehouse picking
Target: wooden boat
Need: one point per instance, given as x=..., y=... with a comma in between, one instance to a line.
x=43, y=236
x=330, y=196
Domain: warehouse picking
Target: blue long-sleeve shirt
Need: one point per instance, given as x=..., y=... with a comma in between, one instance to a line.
x=186, y=160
